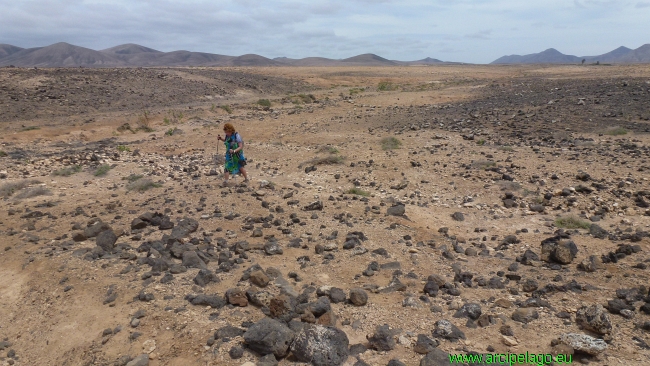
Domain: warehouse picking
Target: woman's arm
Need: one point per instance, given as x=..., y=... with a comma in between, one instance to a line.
x=241, y=146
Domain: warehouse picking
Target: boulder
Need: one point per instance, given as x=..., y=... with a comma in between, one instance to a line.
x=269, y=336
x=321, y=346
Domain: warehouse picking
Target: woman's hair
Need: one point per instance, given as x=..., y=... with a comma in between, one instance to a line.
x=228, y=127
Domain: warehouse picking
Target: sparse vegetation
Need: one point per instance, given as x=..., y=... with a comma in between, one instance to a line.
x=354, y=91
x=141, y=185
x=507, y=185
x=483, y=164
x=67, y=171
x=172, y=131
x=302, y=98
x=358, y=191
x=328, y=149
x=122, y=148
x=133, y=177
x=34, y=192
x=386, y=86
x=226, y=108
x=173, y=117
x=480, y=142
x=125, y=127
x=506, y=148
x=31, y=128
x=10, y=188
x=572, y=222
x=2, y=154
x=102, y=170
x=618, y=131
x=144, y=123
x=326, y=160
x=264, y=102
x=390, y=143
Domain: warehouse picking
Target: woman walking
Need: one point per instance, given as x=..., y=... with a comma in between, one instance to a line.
x=235, y=160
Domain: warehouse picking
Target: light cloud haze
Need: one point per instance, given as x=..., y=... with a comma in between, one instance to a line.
x=450, y=30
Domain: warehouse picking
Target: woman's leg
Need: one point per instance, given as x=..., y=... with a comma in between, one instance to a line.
x=243, y=172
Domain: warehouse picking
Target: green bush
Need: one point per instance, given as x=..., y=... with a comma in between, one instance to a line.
x=480, y=142
x=31, y=128
x=264, y=102
x=68, y=171
x=2, y=154
x=102, y=170
x=572, y=222
x=358, y=191
x=390, y=143
x=122, y=148
x=618, y=131
x=354, y=91
x=386, y=86
x=226, y=108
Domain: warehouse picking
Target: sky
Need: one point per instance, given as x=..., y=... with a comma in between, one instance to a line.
x=473, y=31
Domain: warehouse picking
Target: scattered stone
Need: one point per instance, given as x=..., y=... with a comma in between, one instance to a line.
x=396, y=210
x=358, y=297
x=142, y=360
x=259, y=278
x=525, y=315
x=437, y=357
x=458, y=216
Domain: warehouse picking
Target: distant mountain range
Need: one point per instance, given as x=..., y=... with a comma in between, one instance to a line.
x=133, y=55
x=621, y=55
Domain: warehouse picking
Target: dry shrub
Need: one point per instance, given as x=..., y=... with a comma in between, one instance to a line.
x=34, y=192
x=10, y=188
x=142, y=185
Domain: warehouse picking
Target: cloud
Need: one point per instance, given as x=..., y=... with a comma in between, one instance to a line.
x=485, y=34
x=642, y=5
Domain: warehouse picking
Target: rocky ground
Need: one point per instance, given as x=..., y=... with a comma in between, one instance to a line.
x=394, y=215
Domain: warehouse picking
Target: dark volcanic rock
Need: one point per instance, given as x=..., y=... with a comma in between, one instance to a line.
x=469, y=310
x=594, y=318
x=458, y=216
x=437, y=357
x=192, y=260
x=214, y=301
x=525, y=315
x=445, y=329
x=358, y=296
x=106, y=240
x=269, y=336
x=396, y=210
x=204, y=277
x=424, y=344
x=382, y=339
